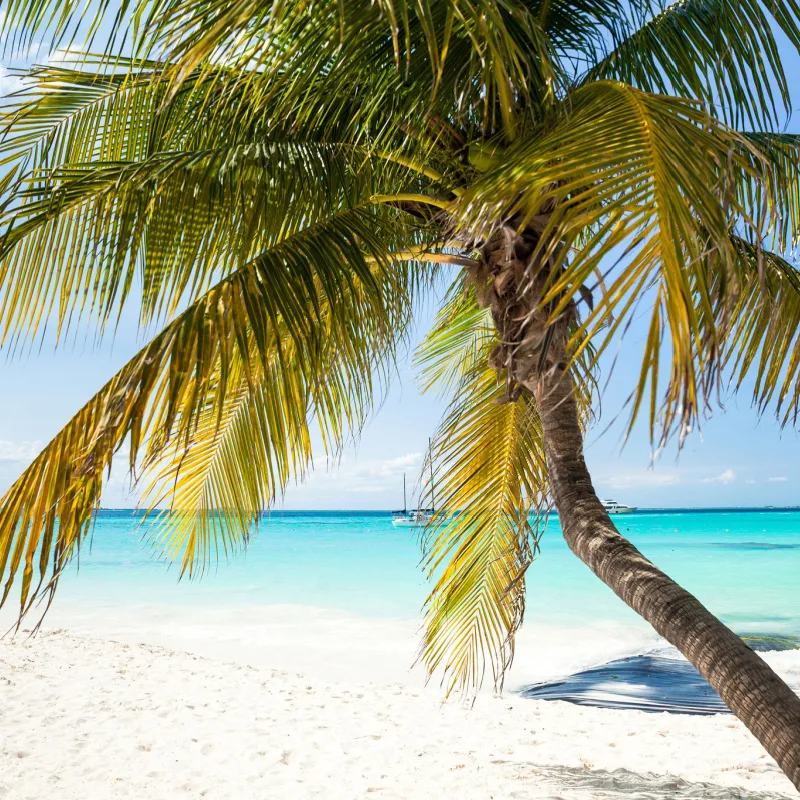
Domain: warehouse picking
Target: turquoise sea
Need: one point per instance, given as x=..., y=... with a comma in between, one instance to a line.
x=341, y=591
x=743, y=564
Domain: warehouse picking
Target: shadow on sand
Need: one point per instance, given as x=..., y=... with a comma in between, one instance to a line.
x=644, y=683
x=647, y=683
x=582, y=784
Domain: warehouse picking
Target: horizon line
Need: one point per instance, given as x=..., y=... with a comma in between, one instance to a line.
x=390, y=511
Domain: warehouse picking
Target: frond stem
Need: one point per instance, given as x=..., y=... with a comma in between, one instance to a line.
x=419, y=254
x=433, y=174
x=415, y=198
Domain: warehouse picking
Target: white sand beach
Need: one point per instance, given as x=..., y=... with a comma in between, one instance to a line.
x=86, y=716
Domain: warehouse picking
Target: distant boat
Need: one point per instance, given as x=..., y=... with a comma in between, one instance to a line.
x=412, y=519
x=418, y=518
x=613, y=507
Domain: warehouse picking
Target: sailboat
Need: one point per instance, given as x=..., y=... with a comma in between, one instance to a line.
x=418, y=518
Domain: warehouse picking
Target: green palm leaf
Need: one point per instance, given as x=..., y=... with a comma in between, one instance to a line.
x=458, y=344
x=723, y=53
x=80, y=235
x=492, y=51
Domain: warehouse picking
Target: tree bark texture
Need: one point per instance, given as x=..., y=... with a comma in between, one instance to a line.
x=744, y=681
x=532, y=354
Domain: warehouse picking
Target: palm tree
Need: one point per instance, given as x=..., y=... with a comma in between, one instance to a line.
x=277, y=184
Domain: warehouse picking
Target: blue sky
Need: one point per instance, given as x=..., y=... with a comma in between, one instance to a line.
x=735, y=460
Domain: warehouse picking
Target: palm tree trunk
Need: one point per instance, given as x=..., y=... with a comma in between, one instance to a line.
x=532, y=349
x=744, y=681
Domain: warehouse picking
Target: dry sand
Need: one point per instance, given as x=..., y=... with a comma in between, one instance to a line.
x=87, y=717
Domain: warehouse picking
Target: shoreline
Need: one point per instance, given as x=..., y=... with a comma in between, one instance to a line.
x=326, y=643
x=87, y=717
x=582, y=662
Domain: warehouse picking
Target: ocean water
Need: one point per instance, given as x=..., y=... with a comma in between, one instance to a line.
x=743, y=564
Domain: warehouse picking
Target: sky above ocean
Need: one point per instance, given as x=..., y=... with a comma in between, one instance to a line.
x=734, y=460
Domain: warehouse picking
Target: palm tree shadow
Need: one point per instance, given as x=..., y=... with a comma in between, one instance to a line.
x=649, y=682
x=642, y=682
x=578, y=783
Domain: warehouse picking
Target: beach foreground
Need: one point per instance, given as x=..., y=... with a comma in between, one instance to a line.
x=87, y=717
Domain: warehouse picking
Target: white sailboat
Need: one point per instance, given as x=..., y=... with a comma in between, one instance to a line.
x=415, y=518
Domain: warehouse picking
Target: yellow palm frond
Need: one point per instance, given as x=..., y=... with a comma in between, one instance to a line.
x=272, y=324
x=490, y=476
x=762, y=328
x=208, y=484
x=212, y=478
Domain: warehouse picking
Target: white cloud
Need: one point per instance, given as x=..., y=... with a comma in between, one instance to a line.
x=370, y=476
x=19, y=451
x=729, y=476
x=392, y=466
x=8, y=83
x=645, y=477
x=14, y=458
x=750, y=480
x=778, y=479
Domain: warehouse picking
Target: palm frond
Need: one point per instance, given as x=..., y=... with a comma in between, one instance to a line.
x=396, y=56
x=659, y=180
x=66, y=115
x=212, y=479
x=762, y=330
x=491, y=486
x=723, y=53
x=81, y=233
x=459, y=342
x=270, y=318
x=579, y=30
x=776, y=158
x=486, y=53
x=63, y=23
x=490, y=474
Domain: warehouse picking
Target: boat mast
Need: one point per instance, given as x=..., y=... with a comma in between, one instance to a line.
x=430, y=458
x=405, y=505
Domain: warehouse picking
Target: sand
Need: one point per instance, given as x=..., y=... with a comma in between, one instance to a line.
x=89, y=717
